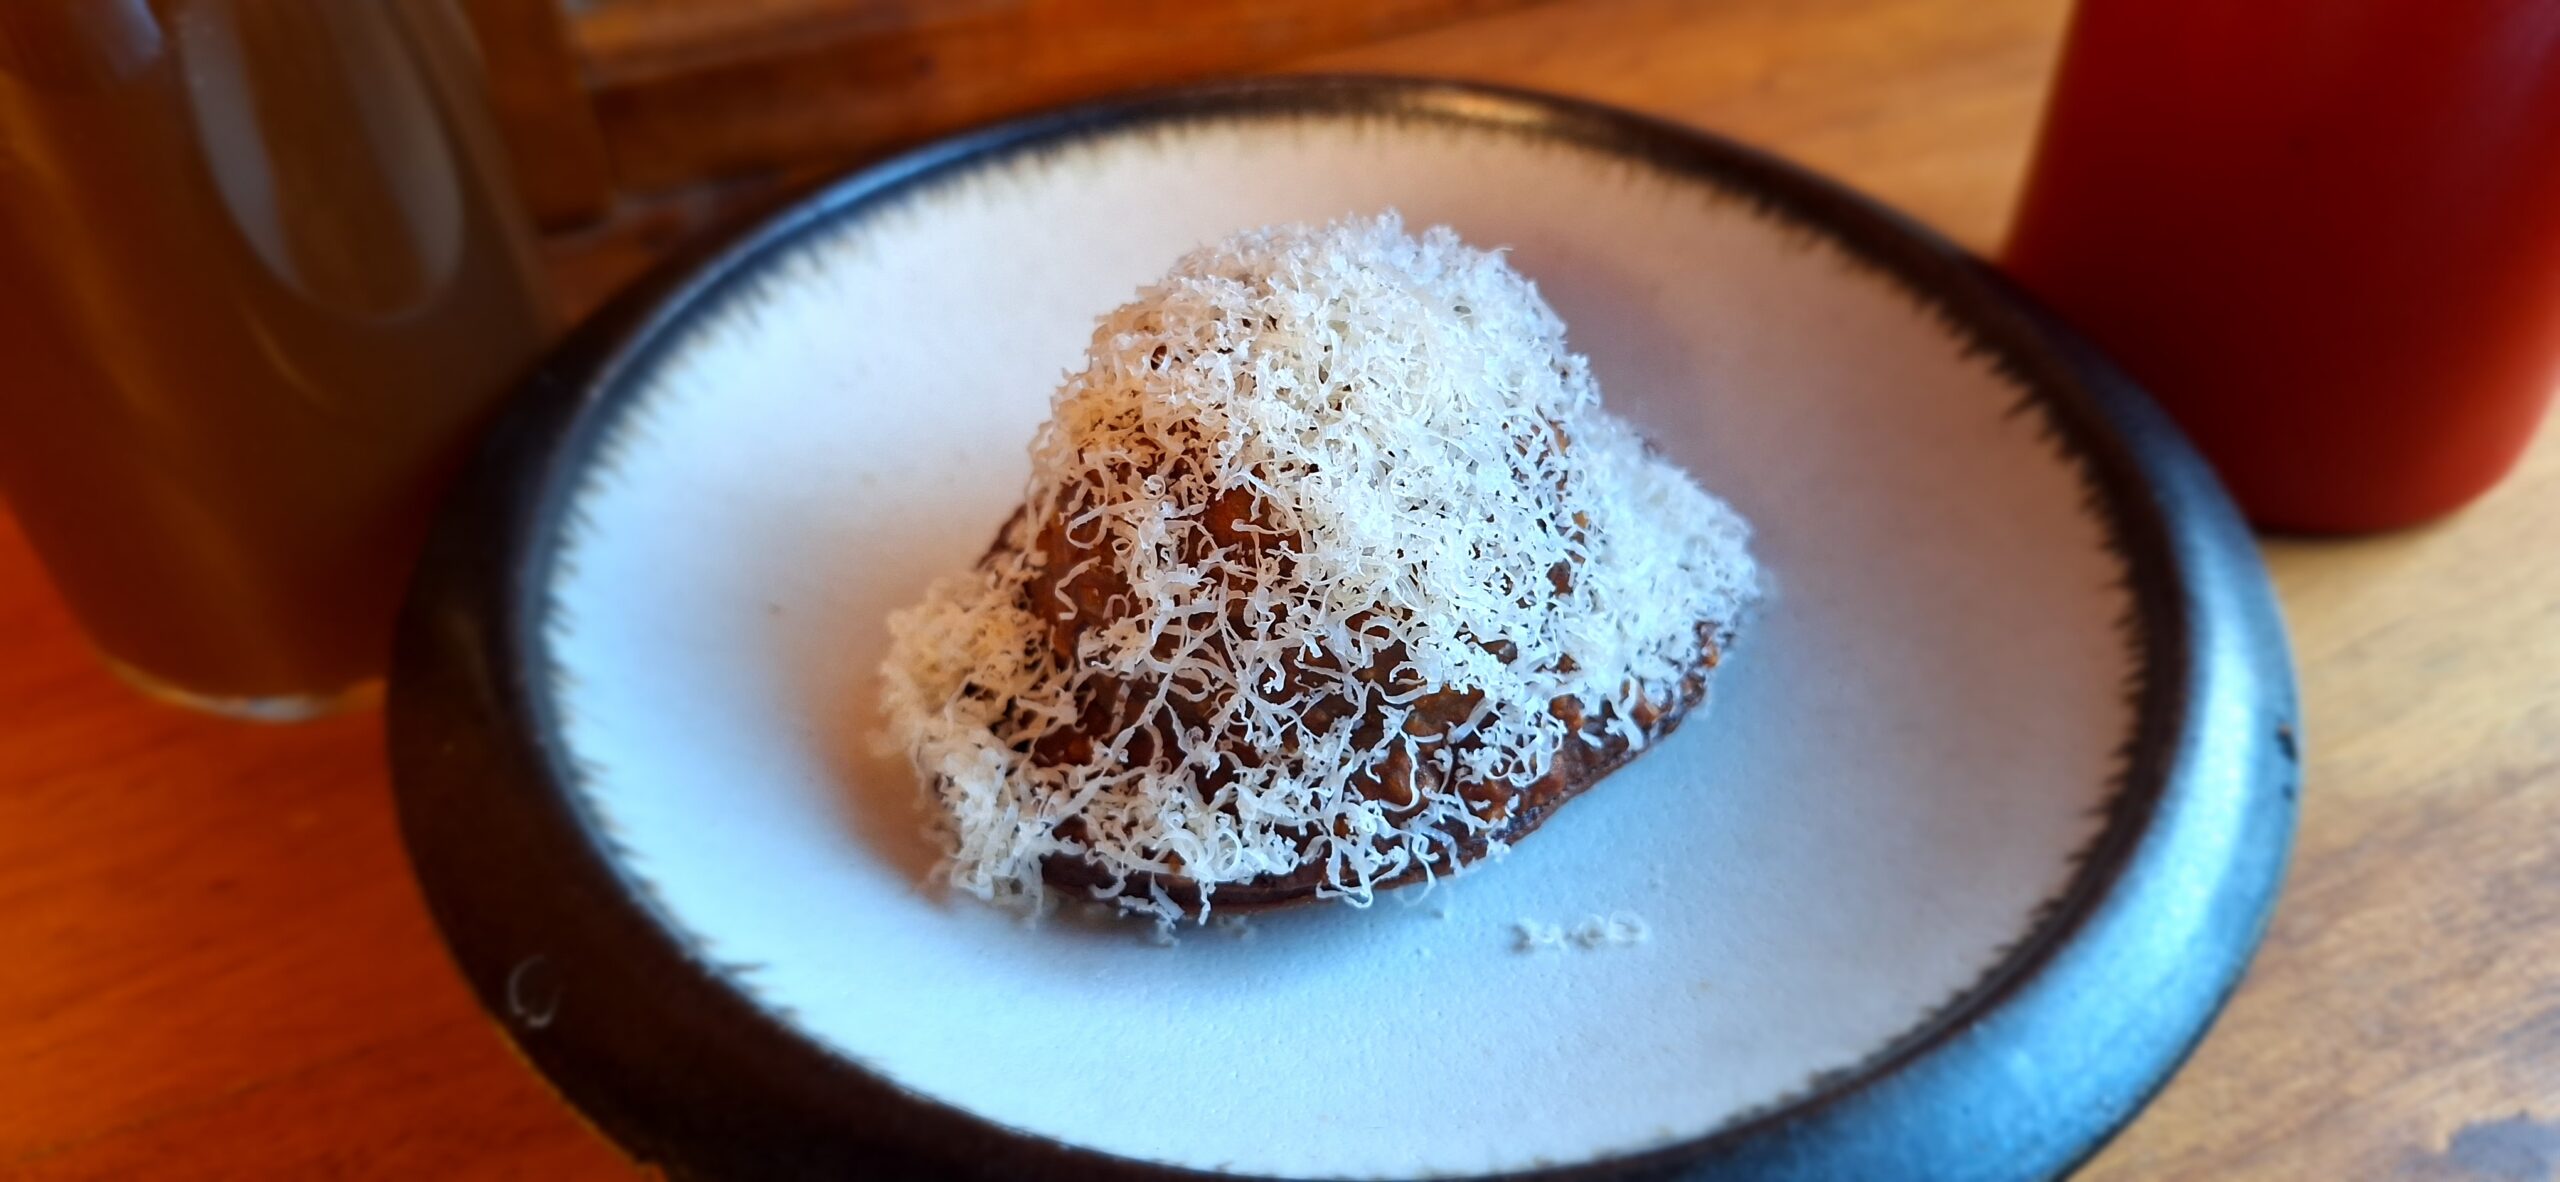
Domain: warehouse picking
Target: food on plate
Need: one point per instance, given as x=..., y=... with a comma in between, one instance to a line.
x=1332, y=575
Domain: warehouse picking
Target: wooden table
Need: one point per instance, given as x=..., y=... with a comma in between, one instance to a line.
x=213, y=963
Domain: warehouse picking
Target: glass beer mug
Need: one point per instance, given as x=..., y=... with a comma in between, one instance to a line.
x=261, y=277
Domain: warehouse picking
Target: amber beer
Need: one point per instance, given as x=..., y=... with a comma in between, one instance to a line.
x=260, y=279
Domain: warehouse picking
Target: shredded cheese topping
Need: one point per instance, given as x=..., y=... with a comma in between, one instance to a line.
x=1324, y=528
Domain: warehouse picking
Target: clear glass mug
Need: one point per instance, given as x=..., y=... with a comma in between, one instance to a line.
x=261, y=277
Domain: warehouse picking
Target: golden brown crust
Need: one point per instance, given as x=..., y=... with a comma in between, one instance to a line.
x=1577, y=766
x=1070, y=594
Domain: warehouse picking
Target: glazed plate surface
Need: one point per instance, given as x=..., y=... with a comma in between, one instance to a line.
x=2012, y=635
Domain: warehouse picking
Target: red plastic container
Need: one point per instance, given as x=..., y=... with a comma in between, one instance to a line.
x=2325, y=233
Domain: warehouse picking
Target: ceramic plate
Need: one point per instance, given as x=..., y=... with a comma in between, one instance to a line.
x=1980, y=827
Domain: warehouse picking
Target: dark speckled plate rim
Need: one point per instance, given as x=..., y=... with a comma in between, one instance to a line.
x=2023, y=1075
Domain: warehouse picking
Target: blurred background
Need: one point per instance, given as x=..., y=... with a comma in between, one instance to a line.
x=633, y=121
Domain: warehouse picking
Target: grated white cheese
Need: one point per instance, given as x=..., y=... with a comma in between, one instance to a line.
x=1415, y=455
x=1616, y=929
x=1529, y=935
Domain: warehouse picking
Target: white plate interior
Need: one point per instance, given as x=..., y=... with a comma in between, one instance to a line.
x=1895, y=772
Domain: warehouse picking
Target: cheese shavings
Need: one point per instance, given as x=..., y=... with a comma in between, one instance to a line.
x=1313, y=552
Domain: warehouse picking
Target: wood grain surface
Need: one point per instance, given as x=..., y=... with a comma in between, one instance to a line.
x=538, y=96
x=859, y=76
x=213, y=963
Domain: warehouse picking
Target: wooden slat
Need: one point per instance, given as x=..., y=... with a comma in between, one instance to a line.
x=539, y=94
x=588, y=265
x=891, y=73
x=1930, y=104
x=626, y=42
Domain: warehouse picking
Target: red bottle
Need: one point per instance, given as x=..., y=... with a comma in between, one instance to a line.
x=2324, y=233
